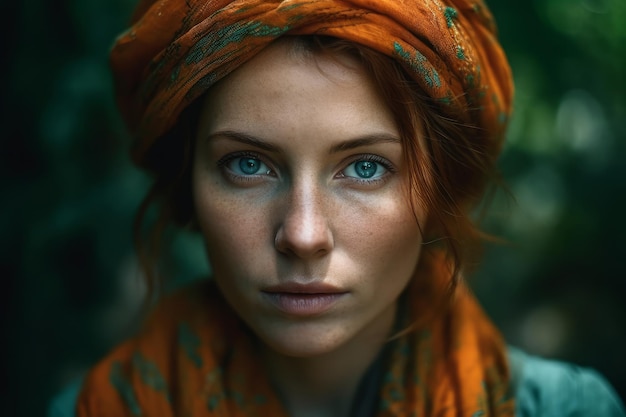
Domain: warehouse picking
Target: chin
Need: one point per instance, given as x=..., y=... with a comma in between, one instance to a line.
x=303, y=340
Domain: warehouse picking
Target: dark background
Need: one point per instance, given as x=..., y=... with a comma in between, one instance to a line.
x=69, y=192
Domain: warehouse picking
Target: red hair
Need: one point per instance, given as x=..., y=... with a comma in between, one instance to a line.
x=449, y=163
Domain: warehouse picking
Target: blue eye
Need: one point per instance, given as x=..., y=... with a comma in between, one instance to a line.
x=365, y=170
x=247, y=166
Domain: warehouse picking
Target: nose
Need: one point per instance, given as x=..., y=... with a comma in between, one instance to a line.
x=304, y=230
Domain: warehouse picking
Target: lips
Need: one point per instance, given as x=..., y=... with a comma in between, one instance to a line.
x=296, y=299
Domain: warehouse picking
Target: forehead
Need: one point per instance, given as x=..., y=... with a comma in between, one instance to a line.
x=287, y=90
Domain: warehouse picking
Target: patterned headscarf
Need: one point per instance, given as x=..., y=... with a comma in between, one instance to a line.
x=175, y=50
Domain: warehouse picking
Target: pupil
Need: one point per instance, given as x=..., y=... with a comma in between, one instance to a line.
x=249, y=166
x=365, y=169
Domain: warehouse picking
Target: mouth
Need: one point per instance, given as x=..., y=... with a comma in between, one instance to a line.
x=297, y=299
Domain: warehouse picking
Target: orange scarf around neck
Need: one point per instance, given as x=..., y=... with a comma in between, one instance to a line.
x=194, y=358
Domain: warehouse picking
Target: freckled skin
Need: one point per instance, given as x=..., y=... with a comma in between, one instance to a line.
x=308, y=219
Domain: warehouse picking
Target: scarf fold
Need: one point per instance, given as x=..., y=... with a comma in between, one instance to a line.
x=195, y=358
x=175, y=50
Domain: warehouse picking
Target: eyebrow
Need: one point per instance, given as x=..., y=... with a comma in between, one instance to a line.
x=367, y=140
x=245, y=139
x=358, y=142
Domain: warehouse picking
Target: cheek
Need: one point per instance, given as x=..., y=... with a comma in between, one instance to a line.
x=230, y=226
x=384, y=234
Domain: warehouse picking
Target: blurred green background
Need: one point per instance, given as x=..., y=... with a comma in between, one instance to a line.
x=69, y=193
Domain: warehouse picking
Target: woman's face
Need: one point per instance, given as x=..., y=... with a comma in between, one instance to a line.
x=299, y=191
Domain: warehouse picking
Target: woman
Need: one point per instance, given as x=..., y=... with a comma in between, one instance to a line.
x=328, y=152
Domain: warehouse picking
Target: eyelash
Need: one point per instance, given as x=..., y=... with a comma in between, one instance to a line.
x=369, y=158
x=223, y=162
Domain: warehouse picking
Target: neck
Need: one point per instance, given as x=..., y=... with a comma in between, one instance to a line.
x=326, y=384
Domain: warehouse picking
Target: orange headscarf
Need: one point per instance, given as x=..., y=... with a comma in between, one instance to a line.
x=195, y=358
x=175, y=50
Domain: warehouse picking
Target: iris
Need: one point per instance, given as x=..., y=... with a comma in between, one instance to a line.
x=365, y=169
x=249, y=166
